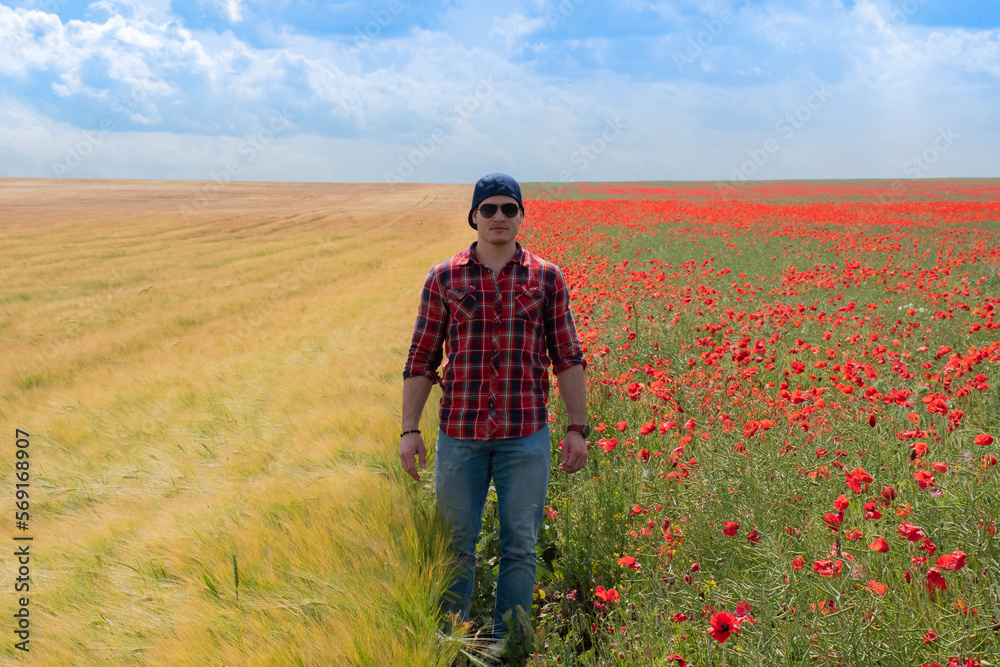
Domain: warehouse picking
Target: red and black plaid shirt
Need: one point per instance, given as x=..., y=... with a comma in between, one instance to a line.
x=501, y=333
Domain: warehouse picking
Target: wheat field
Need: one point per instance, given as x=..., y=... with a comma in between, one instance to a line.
x=210, y=378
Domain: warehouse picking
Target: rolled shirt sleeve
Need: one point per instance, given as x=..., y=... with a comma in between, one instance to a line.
x=561, y=341
x=426, y=345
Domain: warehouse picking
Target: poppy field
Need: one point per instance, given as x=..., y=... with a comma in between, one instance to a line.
x=795, y=396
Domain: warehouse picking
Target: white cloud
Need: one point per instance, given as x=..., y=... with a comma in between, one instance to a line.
x=444, y=104
x=31, y=40
x=514, y=27
x=233, y=9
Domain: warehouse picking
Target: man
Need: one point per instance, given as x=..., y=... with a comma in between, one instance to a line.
x=503, y=316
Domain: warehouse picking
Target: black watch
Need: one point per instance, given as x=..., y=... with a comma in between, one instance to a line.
x=582, y=429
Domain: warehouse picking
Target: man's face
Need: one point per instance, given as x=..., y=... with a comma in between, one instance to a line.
x=499, y=229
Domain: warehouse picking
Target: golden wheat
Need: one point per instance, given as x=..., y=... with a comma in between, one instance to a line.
x=209, y=372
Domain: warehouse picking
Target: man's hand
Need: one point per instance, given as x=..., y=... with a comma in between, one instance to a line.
x=412, y=445
x=574, y=453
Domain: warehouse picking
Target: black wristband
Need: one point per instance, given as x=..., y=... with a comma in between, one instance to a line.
x=412, y=430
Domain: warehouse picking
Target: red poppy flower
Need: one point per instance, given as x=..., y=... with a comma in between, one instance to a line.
x=877, y=588
x=827, y=568
x=730, y=528
x=680, y=618
x=928, y=637
x=910, y=532
x=879, y=545
x=681, y=662
x=629, y=562
x=609, y=595
x=856, y=478
x=723, y=625
x=607, y=444
x=984, y=439
x=621, y=426
x=952, y=561
x=841, y=503
x=924, y=478
x=753, y=537
x=833, y=521
x=936, y=404
x=929, y=547
x=798, y=562
x=935, y=580
x=871, y=511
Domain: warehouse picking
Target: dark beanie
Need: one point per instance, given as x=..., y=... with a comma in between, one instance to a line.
x=494, y=184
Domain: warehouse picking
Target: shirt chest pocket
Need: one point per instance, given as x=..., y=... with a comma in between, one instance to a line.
x=462, y=303
x=529, y=301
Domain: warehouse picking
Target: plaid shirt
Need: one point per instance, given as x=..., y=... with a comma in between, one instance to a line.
x=501, y=333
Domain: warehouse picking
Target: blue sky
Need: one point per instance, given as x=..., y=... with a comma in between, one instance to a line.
x=547, y=90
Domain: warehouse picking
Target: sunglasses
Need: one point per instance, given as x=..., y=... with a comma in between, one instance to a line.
x=489, y=210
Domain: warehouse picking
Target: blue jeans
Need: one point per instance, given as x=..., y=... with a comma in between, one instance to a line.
x=519, y=468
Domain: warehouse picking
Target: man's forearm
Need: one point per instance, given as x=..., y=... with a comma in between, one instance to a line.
x=573, y=390
x=416, y=389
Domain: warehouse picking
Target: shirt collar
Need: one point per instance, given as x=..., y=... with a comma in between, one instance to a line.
x=469, y=255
